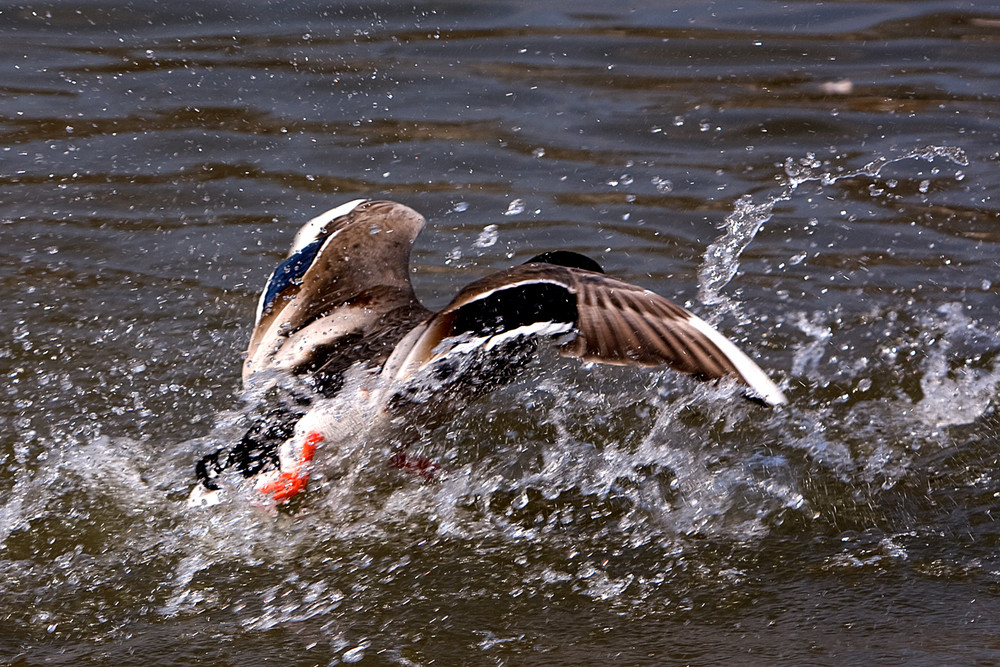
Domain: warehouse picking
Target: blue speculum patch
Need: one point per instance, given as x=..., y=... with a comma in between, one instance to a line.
x=289, y=272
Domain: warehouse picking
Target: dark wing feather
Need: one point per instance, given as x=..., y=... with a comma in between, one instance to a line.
x=286, y=279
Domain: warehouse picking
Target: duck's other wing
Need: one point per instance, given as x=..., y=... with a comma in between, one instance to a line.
x=608, y=320
x=347, y=272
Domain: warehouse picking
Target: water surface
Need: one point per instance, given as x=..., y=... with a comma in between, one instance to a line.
x=816, y=180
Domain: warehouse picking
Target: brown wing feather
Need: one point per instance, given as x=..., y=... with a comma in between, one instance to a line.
x=620, y=323
x=360, y=275
x=615, y=323
x=625, y=324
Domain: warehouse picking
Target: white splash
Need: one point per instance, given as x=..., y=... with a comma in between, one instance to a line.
x=721, y=259
x=516, y=207
x=954, y=396
x=487, y=237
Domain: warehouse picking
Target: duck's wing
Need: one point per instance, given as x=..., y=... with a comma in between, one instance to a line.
x=346, y=279
x=608, y=321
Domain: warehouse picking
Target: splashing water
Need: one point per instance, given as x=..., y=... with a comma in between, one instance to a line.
x=590, y=484
x=721, y=259
x=954, y=395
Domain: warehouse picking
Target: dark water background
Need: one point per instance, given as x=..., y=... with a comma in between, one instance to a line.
x=156, y=159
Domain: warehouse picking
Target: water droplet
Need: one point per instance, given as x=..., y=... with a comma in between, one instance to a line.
x=662, y=185
x=355, y=654
x=520, y=501
x=516, y=207
x=487, y=237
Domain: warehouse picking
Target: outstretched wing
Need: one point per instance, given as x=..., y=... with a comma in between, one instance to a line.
x=346, y=277
x=610, y=321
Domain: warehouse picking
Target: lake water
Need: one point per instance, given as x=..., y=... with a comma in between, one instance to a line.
x=817, y=179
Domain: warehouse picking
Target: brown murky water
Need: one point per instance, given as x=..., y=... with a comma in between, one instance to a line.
x=766, y=163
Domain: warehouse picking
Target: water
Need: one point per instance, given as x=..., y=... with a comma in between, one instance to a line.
x=767, y=165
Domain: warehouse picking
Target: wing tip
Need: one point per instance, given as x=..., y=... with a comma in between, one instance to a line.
x=768, y=394
x=311, y=230
x=759, y=384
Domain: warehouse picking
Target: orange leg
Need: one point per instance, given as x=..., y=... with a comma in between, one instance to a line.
x=290, y=483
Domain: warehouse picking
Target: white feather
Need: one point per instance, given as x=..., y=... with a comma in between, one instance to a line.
x=758, y=381
x=490, y=342
x=311, y=230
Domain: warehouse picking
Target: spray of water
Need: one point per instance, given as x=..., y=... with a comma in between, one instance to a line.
x=601, y=483
x=722, y=258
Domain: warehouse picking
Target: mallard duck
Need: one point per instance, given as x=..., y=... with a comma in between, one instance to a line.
x=342, y=305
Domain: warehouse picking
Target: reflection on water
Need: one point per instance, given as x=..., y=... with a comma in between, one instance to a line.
x=793, y=173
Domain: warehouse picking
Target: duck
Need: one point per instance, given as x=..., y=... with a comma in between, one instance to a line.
x=339, y=314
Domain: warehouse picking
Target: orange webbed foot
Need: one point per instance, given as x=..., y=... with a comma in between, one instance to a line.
x=289, y=483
